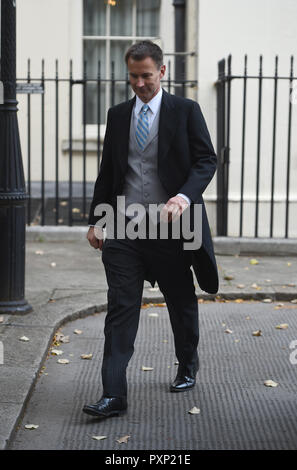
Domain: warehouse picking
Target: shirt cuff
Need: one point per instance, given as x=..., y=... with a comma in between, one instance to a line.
x=185, y=197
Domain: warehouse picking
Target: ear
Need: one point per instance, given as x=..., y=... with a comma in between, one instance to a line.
x=162, y=70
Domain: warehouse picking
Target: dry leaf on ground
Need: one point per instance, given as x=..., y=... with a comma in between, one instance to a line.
x=254, y=261
x=194, y=411
x=147, y=368
x=257, y=333
x=270, y=383
x=63, y=361
x=31, y=426
x=267, y=301
x=86, y=356
x=99, y=438
x=228, y=331
x=56, y=352
x=39, y=252
x=294, y=301
x=78, y=332
x=123, y=439
x=1, y=319
x=228, y=278
x=24, y=338
x=282, y=326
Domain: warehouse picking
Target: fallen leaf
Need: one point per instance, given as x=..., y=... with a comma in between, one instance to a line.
x=75, y=210
x=289, y=264
x=294, y=301
x=78, y=332
x=31, y=426
x=147, y=368
x=240, y=286
x=268, y=280
x=39, y=252
x=99, y=438
x=86, y=356
x=24, y=338
x=267, y=301
x=123, y=439
x=228, y=278
x=60, y=338
x=194, y=411
x=153, y=314
x=1, y=319
x=53, y=265
x=255, y=286
x=239, y=301
x=237, y=340
x=257, y=333
x=228, y=331
x=56, y=352
x=270, y=383
x=163, y=304
x=254, y=261
x=282, y=326
x=63, y=203
x=247, y=318
x=63, y=361
x=165, y=340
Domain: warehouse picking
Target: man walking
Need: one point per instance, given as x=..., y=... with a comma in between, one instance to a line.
x=157, y=149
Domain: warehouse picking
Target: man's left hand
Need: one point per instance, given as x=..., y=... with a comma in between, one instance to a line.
x=173, y=209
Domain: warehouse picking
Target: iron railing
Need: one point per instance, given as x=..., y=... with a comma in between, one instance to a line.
x=57, y=202
x=280, y=167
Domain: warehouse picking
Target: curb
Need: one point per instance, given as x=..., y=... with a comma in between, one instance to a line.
x=244, y=246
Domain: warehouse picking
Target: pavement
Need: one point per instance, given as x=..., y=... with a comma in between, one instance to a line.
x=66, y=286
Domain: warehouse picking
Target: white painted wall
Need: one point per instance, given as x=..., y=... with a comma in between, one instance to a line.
x=255, y=27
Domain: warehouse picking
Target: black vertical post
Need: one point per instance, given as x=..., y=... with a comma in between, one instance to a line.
x=221, y=147
x=180, y=43
x=12, y=182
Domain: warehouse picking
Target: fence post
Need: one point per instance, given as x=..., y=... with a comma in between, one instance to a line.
x=221, y=146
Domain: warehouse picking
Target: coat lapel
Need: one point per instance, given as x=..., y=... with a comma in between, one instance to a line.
x=167, y=125
x=123, y=126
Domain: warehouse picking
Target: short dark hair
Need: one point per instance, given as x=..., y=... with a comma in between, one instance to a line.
x=143, y=49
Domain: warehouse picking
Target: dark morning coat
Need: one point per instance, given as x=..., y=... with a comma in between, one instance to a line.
x=186, y=164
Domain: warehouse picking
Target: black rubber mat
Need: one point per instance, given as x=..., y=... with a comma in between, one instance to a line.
x=237, y=411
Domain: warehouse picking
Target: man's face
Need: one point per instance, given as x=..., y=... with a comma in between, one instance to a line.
x=145, y=77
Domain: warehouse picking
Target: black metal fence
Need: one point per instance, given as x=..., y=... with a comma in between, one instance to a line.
x=67, y=202
x=255, y=139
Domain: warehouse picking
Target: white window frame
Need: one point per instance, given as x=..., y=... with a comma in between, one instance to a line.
x=91, y=129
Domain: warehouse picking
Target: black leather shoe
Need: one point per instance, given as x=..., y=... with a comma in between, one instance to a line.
x=182, y=383
x=107, y=406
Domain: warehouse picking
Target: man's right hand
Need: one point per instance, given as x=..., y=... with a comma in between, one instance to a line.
x=96, y=241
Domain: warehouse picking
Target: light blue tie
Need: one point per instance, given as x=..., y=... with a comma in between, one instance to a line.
x=142, y=129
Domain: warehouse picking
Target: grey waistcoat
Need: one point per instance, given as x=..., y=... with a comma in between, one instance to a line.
x=142, y=184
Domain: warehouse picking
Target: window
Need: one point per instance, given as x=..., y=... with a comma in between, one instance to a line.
x=110, y=27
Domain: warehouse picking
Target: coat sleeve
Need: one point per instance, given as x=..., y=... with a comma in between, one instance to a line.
x=103, y=185
x=203, y=156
